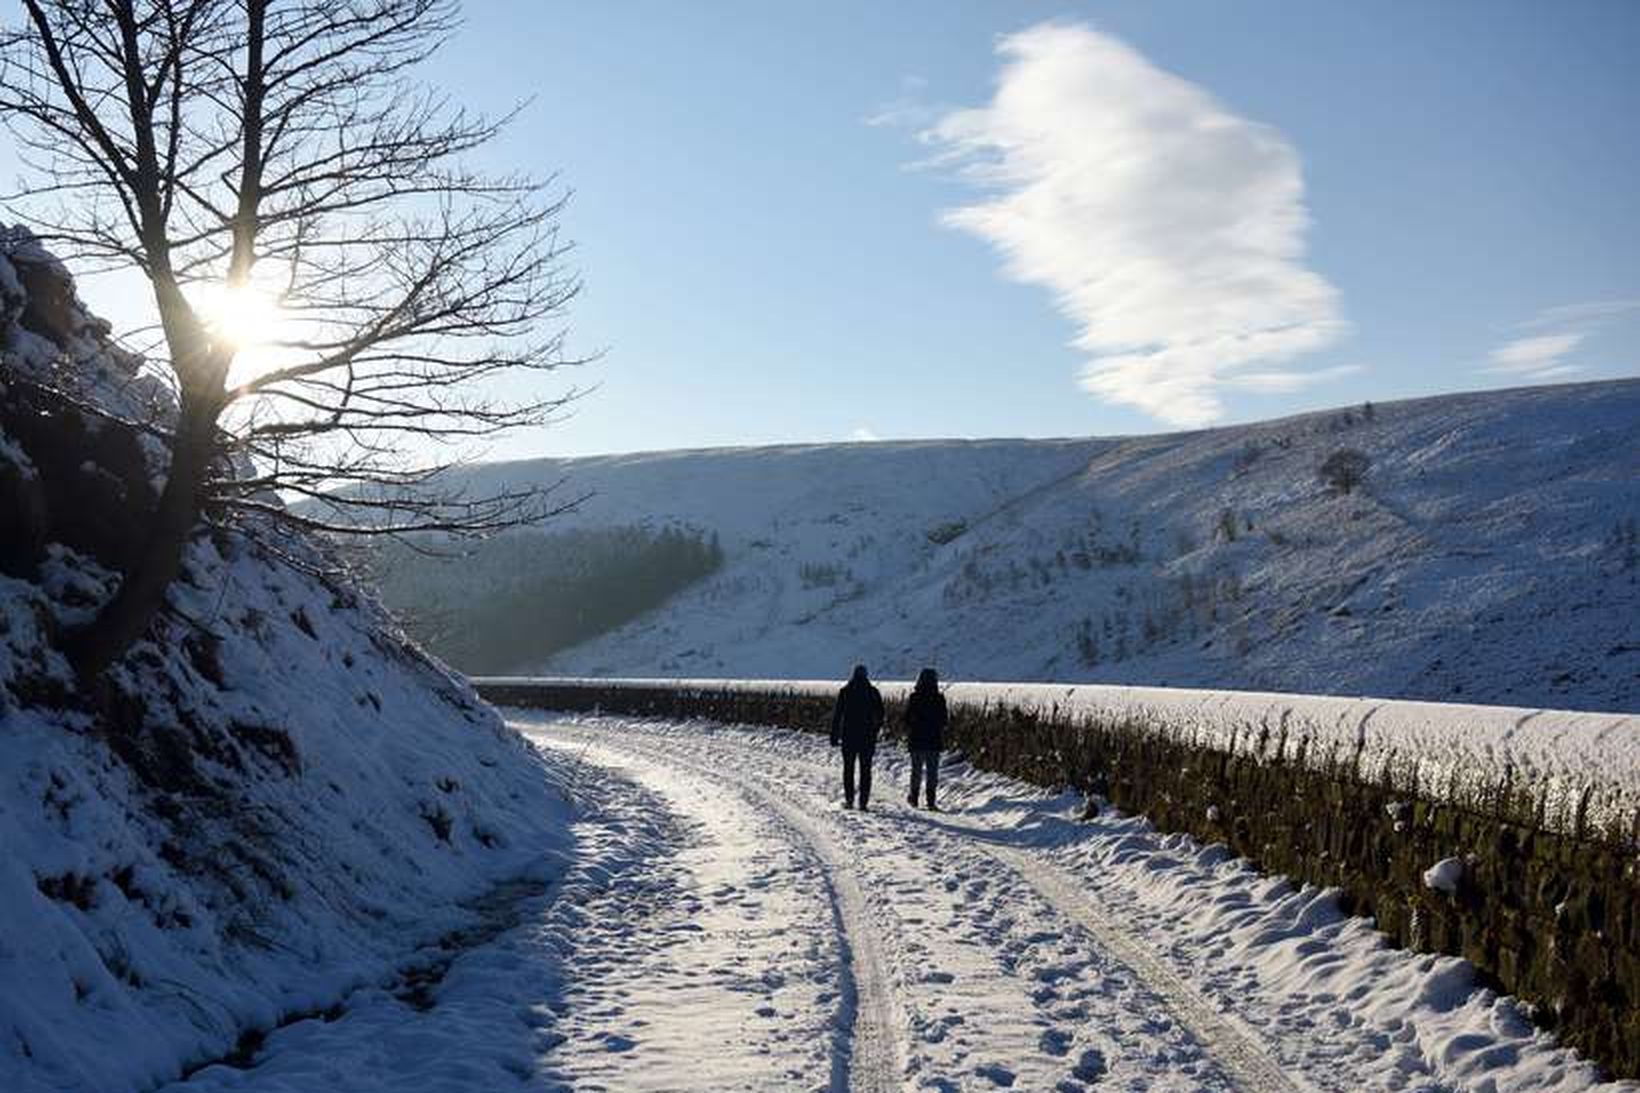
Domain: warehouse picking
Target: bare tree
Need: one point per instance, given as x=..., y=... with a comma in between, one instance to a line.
x=280, y=154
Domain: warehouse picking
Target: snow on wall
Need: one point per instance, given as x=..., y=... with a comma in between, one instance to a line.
x=1558, y=755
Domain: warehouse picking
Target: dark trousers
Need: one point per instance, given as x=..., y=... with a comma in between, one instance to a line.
x=924, y=764
x=863, y=757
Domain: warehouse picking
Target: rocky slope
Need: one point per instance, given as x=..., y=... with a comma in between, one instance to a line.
x=274, y=802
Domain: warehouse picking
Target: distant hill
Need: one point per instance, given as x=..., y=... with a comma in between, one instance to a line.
x=1490, y=554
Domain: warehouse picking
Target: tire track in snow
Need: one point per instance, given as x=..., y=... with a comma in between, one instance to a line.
x=872, y=1061
x=1236, y=1050
x=867, y=1062
x=1239, y=1052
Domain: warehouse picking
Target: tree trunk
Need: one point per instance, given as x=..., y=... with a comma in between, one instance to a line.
x=123, y=621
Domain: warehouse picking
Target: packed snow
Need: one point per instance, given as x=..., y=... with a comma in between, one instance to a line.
x=1490, y=556
x=724, y=923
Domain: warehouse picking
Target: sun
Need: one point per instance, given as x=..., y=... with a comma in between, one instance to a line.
x=246, y=316
x=249, y=319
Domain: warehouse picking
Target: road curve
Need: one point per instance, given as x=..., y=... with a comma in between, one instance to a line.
x=1025, y=965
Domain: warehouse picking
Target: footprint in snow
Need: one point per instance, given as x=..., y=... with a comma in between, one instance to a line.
x=1055, y=1042
x=996, y=1073
x=1090, y=1067
x=615, y=1043
x=935, y=1031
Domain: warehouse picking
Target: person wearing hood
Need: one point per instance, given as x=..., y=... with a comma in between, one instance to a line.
x=855, y=721
x=925, y=722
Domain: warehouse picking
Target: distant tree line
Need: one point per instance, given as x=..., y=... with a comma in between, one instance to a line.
x=519, y=599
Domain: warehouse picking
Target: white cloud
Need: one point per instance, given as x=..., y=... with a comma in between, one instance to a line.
x=1169, y=229
x=1540, y=357
x=1537, y=357
x=863, y=433
x=908, y=109
x=1592, y=312
x=1286, y=382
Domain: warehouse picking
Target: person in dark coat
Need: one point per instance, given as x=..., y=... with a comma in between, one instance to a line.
x=855, y=721
x=925, y=722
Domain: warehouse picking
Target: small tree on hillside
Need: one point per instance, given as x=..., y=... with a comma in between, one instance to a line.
x=276, y=156
x=1344, y=469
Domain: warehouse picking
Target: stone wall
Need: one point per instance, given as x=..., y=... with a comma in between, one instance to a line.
x=1549, y=917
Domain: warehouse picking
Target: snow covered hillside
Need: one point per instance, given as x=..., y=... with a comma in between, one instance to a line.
x=1490, y=555
x=273, y=805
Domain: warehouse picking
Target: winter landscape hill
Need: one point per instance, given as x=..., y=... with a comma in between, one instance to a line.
x=1488, y=555
x=277, y=847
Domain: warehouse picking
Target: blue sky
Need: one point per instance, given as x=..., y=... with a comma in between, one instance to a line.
x=811, y=222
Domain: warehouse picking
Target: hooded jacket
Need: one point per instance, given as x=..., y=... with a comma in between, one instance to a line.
x=925, y=721
x=858, y=714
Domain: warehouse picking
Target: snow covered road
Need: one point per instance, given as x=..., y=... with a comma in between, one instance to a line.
x=995, y=1009
x=724, y=924
x=1005, y=943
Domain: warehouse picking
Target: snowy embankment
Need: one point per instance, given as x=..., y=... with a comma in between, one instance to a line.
x=272, y=803
x=1575, y=763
